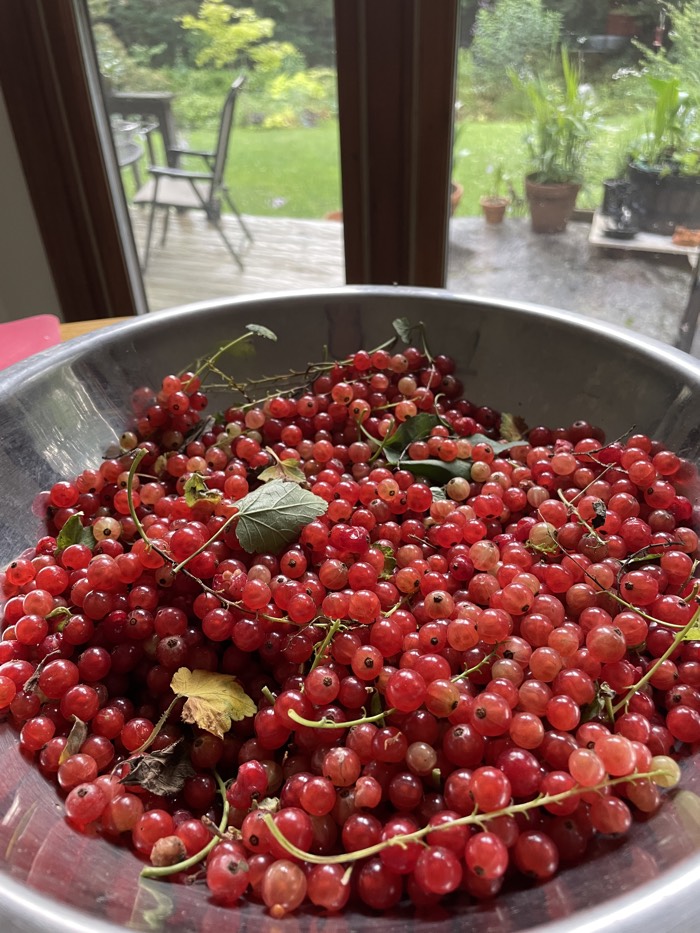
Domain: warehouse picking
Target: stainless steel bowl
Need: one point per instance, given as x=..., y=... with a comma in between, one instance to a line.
x=61, y=409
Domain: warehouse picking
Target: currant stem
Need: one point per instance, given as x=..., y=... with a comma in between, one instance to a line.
x=327, y=724
x=209, y=362
x=570, y=505
x=140, y=454
x=151, y=871
x=268, y=694
x=156, y=729
x=217, y=534
x=476, y=667
x=635, y=688
x=471, y=819
x=318, y=658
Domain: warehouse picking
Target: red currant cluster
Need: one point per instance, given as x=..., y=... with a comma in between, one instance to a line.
x=453, y=682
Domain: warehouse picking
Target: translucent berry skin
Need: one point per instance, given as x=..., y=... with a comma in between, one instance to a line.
x=486, y=855
x=85, y=804
x=227, y=878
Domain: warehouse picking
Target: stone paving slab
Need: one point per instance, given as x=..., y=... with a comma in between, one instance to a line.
x=644, y=292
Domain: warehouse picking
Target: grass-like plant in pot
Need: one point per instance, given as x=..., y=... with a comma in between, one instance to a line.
x=561, y=120
x=494, y=204
x=664, y=165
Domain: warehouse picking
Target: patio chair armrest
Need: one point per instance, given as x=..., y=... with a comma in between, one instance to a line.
x=180, y=150
x=167, y=172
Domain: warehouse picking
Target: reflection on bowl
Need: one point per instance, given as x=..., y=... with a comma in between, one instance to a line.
x=58, y=413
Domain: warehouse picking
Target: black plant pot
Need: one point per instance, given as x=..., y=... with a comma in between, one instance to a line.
x=663, y=201
x=619, y=218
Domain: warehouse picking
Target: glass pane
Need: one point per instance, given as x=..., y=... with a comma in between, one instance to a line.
x=622, y=134
x=246, y=182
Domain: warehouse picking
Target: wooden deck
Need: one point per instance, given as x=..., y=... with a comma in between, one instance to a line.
x=194, y=264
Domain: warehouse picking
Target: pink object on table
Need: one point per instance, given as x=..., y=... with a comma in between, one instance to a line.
x=23, y=338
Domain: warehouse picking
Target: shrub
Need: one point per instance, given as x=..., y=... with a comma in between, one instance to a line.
x=519, y=33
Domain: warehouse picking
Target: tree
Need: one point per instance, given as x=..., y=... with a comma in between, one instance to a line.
x=237, y=38
x=307, y=24
x=152, y=24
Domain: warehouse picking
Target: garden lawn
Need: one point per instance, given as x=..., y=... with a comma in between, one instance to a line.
x=286, y=172
x=295, y=172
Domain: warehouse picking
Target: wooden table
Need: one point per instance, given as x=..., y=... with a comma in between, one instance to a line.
x=142, y=104
x=79, y=328
x=642, y=242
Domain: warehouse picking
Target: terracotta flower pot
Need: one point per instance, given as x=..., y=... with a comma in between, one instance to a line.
x=550, y=205
x=493, y=209
x=456, y=192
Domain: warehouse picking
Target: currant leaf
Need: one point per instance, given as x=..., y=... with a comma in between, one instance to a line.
x=213, y=700
x=693, y=633
x=403, y=328
x=76, y=737
x=73, y=532
x=163, y=772
x=197, y=490
x=284, y=470
x=261, y=331
x=413, y=429
x=273, y=515
x=437, y=471
x=389, y=560
x=497, y=446
x=512, y=427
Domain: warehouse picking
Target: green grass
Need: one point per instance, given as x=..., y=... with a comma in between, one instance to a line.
x=296, y=172
x=286, y=172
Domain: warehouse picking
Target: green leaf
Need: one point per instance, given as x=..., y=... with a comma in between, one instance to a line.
x=413, y=429
x=73, y=532
x=389, y=559
x=497, y=446
x=261, y=331
x=438, y=471
x=403, y=328
x=284, y=470
x=597, y=706
x=197, y=490
x=439, y=494
x=693, y=633
x=273, y=515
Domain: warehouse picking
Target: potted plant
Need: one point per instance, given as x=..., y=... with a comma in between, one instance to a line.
x=664, y=164
x=561, y=122
x=494, y=204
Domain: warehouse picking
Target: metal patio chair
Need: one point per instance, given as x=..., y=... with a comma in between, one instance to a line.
x=172, y=187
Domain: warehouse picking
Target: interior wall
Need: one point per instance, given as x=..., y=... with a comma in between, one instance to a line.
x=26, y=284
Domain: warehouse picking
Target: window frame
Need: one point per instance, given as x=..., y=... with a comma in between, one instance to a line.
x=396, y=68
